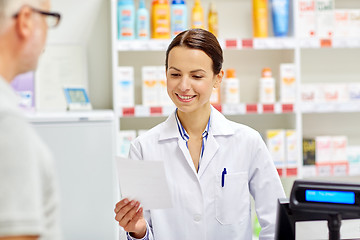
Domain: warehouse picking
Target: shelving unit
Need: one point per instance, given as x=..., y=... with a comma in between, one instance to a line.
x=316, y=60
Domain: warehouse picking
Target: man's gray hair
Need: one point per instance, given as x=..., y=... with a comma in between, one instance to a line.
x=10, y=7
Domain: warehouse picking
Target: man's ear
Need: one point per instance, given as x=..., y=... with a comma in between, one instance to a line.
x=218, y=78
x=24, y=22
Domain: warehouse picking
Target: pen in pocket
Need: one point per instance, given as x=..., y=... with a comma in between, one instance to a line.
x=223, y=177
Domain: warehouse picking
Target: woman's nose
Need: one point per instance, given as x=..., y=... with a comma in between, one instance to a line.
x=185, y=84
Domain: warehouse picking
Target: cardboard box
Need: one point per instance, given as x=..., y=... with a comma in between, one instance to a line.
x=307, y=19
x=287, y=83
x=125, y=87
x=325, y=21
x=275, y=140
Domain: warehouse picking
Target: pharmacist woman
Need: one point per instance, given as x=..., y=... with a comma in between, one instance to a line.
x=213, y=165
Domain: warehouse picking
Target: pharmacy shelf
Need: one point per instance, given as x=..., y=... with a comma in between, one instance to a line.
x=226, y=109
x=317, y=43
x=345, y=107
x=70, y=116
x=236, y=43
x=316, y=60
x=252, y=43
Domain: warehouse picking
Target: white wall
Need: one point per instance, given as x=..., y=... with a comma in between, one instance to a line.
x=87, y=22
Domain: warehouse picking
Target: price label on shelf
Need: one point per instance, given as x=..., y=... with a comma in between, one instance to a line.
x=155, y=111
x=307, y=107
x=156, y=44
x=138, y=45
x=346, y=107
x=275, y=43
x=287, y=108
x=128, y=111
x=124, y=45
x=340, y=43
x=268, y=108
x=325, y=107
x=231, y=43
x=278, y=108
x=310, y=43
x=261, y=43
x=353, y=43
x=142, y=111
x=233, y=109
x=326, y=43
x=167, y=110
x=251, y=108
x=288, y=43
x=291, y=172
x=247, y=43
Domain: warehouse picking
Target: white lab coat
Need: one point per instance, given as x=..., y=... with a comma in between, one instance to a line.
x=202, y=208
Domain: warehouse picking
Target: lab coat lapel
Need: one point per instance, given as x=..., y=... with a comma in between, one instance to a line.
x=185, y=151
x=170, y=130
x=211, y=147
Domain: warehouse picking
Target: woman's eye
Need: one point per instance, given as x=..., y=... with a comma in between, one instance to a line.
x=175, y=75
x=197, y=76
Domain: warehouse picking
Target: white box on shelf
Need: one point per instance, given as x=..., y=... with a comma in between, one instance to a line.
x=267, y=90
x=355, y=23
x=334, y=92
x=353, y=157
x=309, y=93
x=150, y=86
x=125, y=87
x=275, y=140
x=339, y=156
x=291, y=149
x=307, y=19
x=353, y=91
x=339, y=146
x=124, y=139
x=342, y=23
x=323, y=150
x=325, y=18
x=287, y=83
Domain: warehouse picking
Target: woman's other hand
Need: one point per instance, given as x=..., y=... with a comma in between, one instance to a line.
x=130, y=217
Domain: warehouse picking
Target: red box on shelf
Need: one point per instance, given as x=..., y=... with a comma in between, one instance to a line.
x=251, y=108
x=128, y=111
x=155, y=110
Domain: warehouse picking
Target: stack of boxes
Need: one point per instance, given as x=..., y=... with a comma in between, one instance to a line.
x=319, y=18
x=282, y=145
x=330, y=156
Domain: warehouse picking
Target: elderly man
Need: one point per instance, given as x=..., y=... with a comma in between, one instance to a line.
x=28, y=193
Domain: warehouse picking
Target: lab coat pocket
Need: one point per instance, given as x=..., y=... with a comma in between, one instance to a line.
x=232, y=201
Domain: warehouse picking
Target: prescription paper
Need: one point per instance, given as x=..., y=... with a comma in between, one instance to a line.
x=144, y=181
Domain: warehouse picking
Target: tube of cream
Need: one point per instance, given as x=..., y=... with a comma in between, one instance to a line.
x=280, y=17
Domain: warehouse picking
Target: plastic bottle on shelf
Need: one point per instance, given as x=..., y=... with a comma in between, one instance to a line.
x=280, y=17
x=230, y=89
x=178, y=17
x=126, y=19
x=213, y=21
x=142, y=22
x=260, y=18
x=267, y=87
x=197, y=15
x=160, y=19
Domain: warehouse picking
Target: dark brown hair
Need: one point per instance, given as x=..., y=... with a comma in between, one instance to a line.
x=202, y=40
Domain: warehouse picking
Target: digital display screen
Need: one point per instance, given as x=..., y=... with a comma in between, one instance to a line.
x=76, y=95
x=330, y=196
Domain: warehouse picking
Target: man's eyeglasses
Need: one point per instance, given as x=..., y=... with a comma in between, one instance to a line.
x=52, y=18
